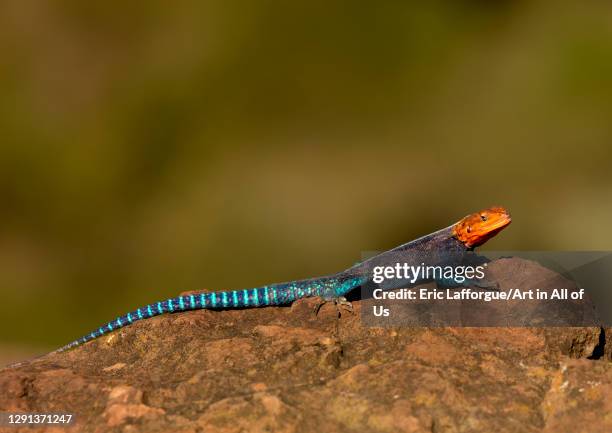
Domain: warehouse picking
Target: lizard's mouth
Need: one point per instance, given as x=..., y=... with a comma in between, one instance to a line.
x=476, y=229
x=495, y=224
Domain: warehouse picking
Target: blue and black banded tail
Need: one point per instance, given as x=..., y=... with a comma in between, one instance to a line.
x=277, y=294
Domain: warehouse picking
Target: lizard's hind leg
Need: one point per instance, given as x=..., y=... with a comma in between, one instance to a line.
x=340, y=303
x=335, y=288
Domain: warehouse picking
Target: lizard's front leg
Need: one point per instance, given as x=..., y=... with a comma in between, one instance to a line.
x=485, y=284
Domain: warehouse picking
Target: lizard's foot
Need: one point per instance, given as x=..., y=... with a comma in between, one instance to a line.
x=485, y=285
x=340, y=303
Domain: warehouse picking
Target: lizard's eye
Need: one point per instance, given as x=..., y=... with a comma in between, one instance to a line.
x=469, y=229
x=483, y=217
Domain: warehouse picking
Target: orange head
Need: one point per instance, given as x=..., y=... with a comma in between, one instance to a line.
x=479, y=227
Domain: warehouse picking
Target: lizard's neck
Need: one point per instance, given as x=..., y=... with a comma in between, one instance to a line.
x=434, y=248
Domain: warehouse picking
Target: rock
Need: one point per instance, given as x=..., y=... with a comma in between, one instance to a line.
x=284, y=369
x=125, y=404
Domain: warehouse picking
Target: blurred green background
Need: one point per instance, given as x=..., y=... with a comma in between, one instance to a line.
x=153, y=147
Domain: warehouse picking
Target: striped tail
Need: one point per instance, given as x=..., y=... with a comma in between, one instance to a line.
x=278, y=294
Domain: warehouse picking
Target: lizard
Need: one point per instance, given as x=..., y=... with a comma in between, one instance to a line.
x=461, y=237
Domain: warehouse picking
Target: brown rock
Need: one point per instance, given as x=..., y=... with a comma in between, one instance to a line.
x=287, y=370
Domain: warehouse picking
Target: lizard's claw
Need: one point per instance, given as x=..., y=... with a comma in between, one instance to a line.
x=340, y=303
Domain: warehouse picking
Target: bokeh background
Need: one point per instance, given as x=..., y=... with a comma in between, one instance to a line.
x=153, y=147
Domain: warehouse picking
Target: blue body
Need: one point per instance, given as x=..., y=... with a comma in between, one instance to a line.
x=276, y=294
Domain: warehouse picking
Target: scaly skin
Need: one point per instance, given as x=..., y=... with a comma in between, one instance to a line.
x=471, y=231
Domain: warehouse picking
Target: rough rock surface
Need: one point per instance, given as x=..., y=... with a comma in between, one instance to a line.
x=287, y=370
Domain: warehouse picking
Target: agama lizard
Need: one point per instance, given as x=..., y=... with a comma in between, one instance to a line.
x=463, y=236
